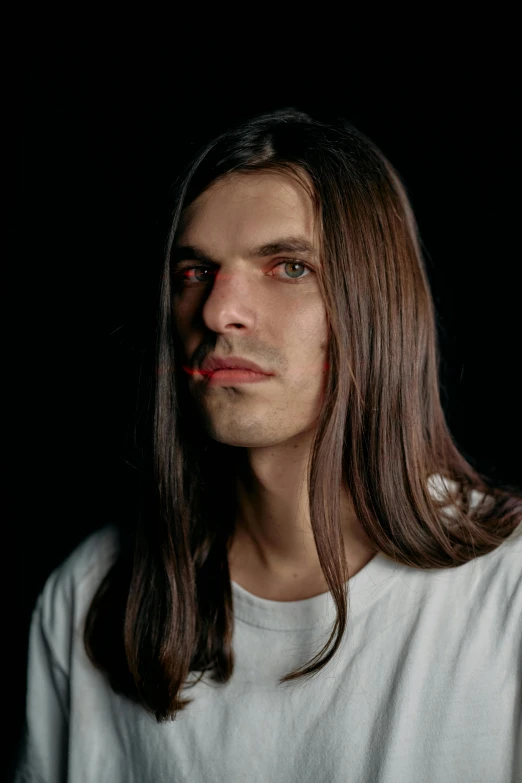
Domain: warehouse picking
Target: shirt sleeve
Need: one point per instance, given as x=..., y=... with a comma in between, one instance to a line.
x=43, y=751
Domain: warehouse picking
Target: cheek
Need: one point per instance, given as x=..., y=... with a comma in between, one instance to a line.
x=183, y=314
x=181, y=330
x=310, y=324
x=303, y=335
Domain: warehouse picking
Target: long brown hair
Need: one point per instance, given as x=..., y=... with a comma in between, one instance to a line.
x=164, y=610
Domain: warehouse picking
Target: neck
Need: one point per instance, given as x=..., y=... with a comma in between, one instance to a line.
x=273, y=544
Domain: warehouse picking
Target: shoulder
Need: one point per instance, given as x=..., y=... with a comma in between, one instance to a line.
x=507, y=555
x=504, y=565
x=68, y=591
x=487, y=588
x=485, y=581
x=86, y=565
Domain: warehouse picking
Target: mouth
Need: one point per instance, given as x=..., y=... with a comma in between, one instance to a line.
x=232, y=364
x=231, y=376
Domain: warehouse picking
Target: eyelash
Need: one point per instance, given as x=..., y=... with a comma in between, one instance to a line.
x=179, y=275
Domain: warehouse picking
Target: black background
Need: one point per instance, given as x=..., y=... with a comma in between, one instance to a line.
x=102, y=128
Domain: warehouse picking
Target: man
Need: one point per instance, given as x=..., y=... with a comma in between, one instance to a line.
x=336, y=585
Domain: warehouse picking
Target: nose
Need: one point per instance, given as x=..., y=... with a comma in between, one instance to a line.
x=230, y=303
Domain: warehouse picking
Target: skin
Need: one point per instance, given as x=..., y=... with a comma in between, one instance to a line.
x=268, y=311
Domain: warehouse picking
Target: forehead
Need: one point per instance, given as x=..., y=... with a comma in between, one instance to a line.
x=245, y=209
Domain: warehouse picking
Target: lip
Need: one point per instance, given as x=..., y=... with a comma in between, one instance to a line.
x=228, y=377
x=215, y=363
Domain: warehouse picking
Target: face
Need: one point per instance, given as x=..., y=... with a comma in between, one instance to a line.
x=247, y=286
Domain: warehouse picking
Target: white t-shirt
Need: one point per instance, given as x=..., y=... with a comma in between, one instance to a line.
x=426, y=688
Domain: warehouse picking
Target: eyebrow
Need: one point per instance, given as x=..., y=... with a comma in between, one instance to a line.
x=284, y=245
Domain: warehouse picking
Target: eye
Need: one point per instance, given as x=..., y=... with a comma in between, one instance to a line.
x=205, y=273
x=292, y=262
x=183, y=277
